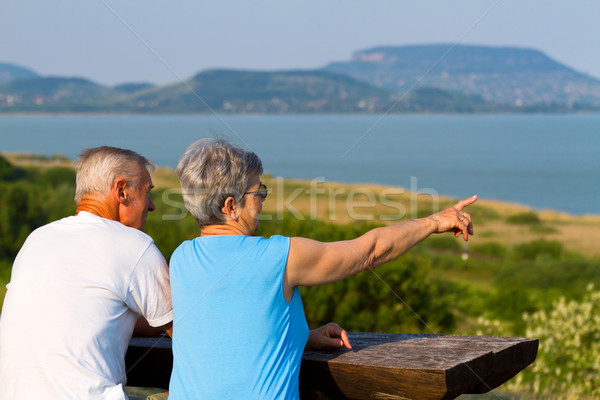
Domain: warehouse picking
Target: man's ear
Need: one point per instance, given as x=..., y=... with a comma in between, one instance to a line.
x=230, y=208
x=119, y=190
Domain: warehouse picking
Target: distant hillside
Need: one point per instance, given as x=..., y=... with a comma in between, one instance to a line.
x=261, y=92
x=12, y=72
x=54, y=94
x=460, y=79
x=512, y=76
x=218, y=90
x=133, y=87
x=229, y=91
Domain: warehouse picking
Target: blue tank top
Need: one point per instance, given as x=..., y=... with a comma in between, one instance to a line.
x=234, y=334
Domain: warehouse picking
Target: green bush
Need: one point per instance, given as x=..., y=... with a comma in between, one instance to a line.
x=30, y=199
x=57, y=176
x=443, y=242
x=529, y=286
x=568, y=360
x=538, y=249
x=482, y=213
x=9, y=173
x=525, y=218
x=542, y=229
x=491, y=249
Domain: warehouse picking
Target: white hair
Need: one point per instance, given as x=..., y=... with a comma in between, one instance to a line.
x=210, y=171
x=99, y=167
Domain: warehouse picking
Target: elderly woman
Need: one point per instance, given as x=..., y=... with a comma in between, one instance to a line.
x=239, y=326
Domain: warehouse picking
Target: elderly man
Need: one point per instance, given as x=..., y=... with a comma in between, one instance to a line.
x=79, y=284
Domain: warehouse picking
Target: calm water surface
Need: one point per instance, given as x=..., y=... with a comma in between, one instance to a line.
x=545, y=161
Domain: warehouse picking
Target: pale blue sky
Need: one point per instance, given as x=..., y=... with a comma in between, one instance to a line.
x=116, y=41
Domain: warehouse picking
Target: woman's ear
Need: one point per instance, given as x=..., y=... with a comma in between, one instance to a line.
x=230, y=208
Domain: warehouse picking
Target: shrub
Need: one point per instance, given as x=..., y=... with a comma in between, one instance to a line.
x=525, y=218
x=10, y=173
x=491, y=249
x=568, y=360
x=539, y=249
x=542, y=229
x=58, y=175
x=443, y=242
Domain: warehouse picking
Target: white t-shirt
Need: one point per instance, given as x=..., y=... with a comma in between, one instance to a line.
x=77, y=286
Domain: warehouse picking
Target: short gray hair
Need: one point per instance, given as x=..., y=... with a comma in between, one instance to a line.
x=99, y=167
x=210, y=171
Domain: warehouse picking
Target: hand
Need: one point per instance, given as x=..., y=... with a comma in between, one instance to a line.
x=454, y=219
x=329, y=336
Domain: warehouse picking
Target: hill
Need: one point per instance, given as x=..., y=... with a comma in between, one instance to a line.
x=54, y=94
x=261, y=92
x=11, y=72
x=407, y=79
x=218, y=90
x=505, y=75
x=133, y=87
x=231, y=91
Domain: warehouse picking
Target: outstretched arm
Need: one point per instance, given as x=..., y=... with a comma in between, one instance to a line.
x=314, y=263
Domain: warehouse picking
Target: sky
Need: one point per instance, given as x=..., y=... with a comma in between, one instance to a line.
x=159, y=41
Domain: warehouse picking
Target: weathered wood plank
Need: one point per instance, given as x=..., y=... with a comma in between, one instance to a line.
x=380, y=366
x=404, y=366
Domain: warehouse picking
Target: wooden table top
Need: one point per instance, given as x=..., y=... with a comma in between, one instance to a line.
x=379, y=366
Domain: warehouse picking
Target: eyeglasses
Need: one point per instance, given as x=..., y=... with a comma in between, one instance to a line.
x=262, y=191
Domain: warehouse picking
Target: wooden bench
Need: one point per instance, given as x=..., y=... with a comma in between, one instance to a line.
x=379, y=366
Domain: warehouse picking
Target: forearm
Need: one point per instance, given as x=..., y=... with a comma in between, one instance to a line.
x=390, y=242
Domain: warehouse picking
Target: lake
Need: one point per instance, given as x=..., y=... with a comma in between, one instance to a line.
x=545, y=161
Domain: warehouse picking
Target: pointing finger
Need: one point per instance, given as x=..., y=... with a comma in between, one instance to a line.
x=466, y=202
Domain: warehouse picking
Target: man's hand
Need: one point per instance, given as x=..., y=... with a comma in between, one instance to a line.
x=329, y=336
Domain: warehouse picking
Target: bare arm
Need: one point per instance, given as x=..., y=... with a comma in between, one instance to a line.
x=314, y=263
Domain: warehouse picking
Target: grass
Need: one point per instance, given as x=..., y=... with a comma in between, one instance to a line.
x=504, y=223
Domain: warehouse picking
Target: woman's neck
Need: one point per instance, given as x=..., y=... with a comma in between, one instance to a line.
x=227, y=229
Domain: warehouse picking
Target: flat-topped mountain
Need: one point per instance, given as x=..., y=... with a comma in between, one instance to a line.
x=507, y=75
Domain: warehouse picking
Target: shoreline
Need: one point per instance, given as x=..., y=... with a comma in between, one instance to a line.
x=343, y=203
x=33, y=160
x=494, y=202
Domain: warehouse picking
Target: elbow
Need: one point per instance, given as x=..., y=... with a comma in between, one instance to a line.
x=375, y=257
x=370, y=263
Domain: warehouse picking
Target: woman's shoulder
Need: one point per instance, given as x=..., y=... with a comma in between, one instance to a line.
x=273, y=240
x=232, y=242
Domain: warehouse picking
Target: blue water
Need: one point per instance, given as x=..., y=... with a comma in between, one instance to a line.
x=545, y=161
